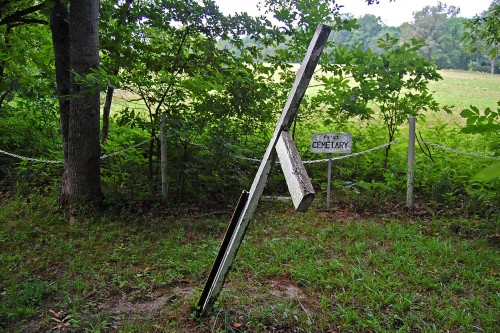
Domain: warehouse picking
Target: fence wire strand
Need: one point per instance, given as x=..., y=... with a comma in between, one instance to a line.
x=336, y=158
x=356, y=154
x=127, y=149
x=459, y=151
x=38, y=160
x=31, y=159
x=256, y=160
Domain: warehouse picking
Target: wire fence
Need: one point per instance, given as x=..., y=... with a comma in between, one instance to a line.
x=356, y=154
x=41, y=160
x=31, y=159
x=456, y=151
x=126, y=149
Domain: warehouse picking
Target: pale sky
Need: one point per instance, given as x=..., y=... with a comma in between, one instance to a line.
x=392, y=13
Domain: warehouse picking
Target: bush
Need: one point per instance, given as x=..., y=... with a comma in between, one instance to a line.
x=481, y=66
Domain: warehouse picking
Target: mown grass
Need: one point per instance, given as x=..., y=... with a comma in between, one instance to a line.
x=463, y=88
x=313, y=272
x=457, y=88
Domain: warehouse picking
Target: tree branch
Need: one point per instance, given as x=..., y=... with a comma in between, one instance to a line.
x=28, y=21
x=19, y=16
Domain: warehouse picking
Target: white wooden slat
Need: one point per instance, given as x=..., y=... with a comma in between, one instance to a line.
x=297, y=180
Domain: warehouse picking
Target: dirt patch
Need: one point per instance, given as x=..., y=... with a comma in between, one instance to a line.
x=284, y=288
x=151, y=306
x=139, y=308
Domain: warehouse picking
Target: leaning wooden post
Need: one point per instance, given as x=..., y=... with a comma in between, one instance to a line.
x=306, y=71
x=411, y=163
x=163, y=153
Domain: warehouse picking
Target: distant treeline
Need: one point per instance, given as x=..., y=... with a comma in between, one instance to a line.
x=438, y=27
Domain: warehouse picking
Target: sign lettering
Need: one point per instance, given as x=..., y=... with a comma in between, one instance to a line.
x=331, y=143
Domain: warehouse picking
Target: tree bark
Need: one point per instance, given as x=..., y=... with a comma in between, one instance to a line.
x=81, y=180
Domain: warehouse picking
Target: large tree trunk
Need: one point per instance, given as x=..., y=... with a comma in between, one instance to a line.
x=5, y=87
x=81, y=180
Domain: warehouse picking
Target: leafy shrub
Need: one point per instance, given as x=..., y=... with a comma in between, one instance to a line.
x=482, y=66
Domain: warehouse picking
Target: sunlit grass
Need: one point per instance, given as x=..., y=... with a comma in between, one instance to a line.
x=464, y=88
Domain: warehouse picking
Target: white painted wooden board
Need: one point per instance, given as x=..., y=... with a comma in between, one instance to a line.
x=297, y=180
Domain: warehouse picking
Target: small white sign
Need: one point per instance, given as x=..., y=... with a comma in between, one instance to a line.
x=331, y=143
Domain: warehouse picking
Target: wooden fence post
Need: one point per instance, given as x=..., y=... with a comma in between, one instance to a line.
x=411, y=163
x=163, y=153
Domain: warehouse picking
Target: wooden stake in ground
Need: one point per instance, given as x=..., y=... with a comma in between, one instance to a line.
x=411, y=163
x=163, y=156
x=221, y=269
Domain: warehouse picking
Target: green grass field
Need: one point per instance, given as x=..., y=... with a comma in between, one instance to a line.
x=457, y=90
x=461, y=89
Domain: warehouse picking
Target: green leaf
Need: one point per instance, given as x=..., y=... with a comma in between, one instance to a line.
x=487, y=174
x=471, y=120
x=467, y=113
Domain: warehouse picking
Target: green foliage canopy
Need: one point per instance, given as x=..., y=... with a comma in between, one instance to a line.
x=394, y=81
x=483, y=32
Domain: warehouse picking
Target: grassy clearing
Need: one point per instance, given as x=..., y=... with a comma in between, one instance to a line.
x=463, y=88
x=313, y=272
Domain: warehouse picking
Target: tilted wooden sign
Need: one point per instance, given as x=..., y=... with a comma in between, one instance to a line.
x=281, y=145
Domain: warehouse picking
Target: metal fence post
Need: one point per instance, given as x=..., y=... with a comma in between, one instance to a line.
x=328, y=188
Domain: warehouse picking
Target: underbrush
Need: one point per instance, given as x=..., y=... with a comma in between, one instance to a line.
x=319, y=271
x=210, y=178
x=443, y=180
x=208, y=170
